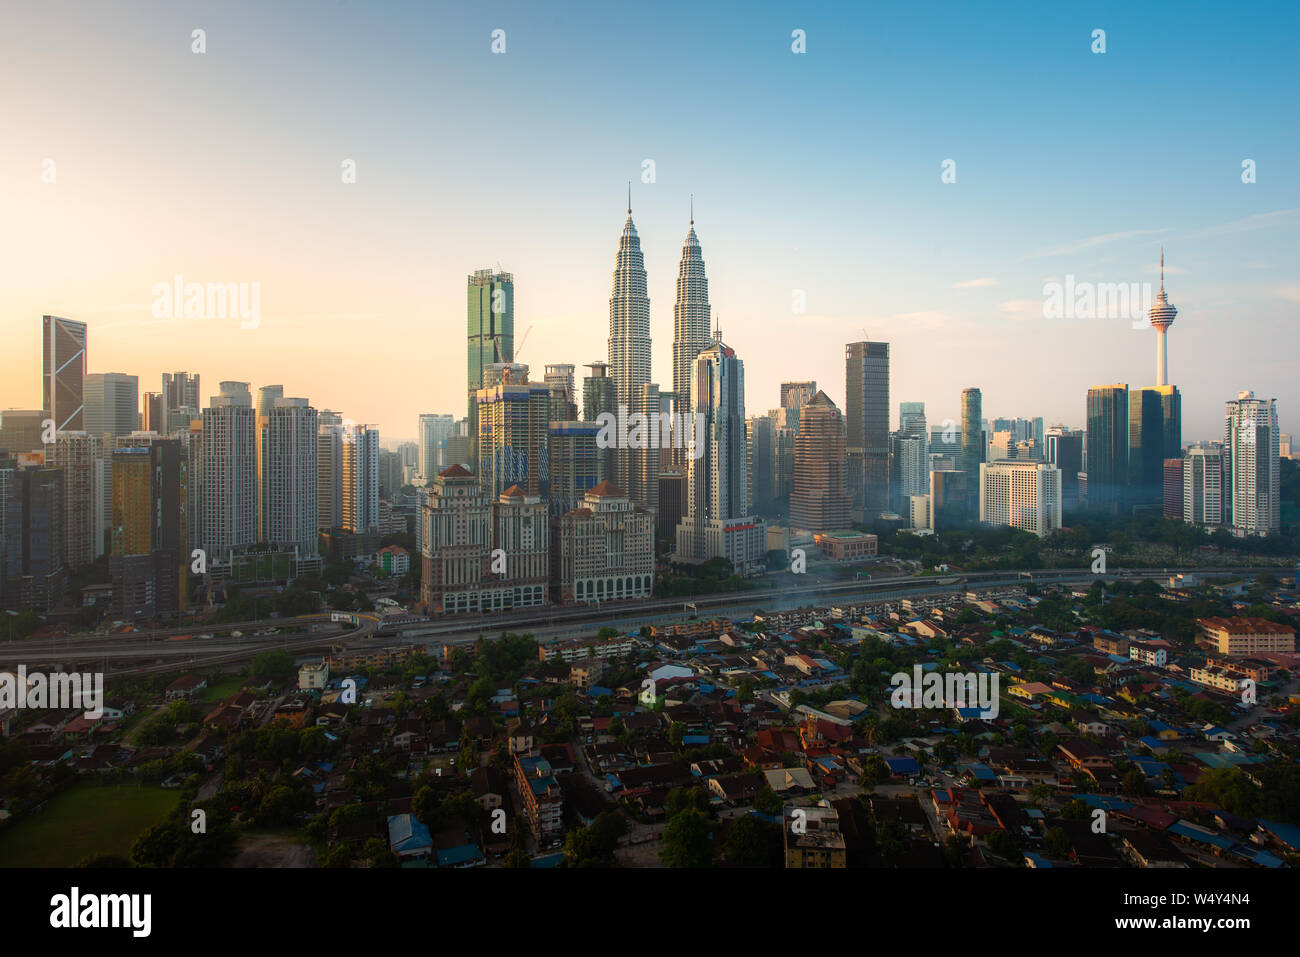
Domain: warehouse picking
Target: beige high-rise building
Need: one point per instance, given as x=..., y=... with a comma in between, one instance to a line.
x=603, y=551
x=1025, y=495
x=819, y=501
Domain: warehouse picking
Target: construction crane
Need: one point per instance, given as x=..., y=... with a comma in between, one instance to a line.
x=520, y=348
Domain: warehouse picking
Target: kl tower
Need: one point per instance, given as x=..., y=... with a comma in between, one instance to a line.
x=1161, y=315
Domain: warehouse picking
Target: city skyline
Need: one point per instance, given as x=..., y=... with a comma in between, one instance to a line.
x=951, y=274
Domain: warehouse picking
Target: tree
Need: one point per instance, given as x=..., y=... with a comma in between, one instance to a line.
x=275, y=664
x=768, y=802
x=1056, y=842
x=687, y=841
x=754, y=842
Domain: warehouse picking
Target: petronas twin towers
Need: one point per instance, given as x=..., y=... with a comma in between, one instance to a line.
x=629, y=344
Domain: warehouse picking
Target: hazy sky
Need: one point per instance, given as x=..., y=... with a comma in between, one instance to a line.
x=817, y=172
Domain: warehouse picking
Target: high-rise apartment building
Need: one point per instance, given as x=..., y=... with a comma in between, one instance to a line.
x=819, y=500
x=1024, y=495
x=434, y=431
x=81, y=457
x=266, y=397
x=360, y=479
x=181, y=398
x=153, y=413
x=287, y=461
x=1252, y=465
x=229, y=472
x=32, y=571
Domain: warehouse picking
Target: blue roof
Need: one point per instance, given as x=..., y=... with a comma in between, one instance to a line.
x=982, y=772
x=407, y=833
x=1204, y=835
x=459, y=855
x=1288, y=833
x=1104, y=801
x=902, y=765
x=548, y=861
x=596, y=691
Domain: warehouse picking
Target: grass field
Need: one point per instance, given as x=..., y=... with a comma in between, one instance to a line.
x=222, y=689
x=84, y=820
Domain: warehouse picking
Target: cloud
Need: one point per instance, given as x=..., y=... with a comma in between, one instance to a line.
x=1279, y=217
x=1291, y=293
x=1092, y=241
x=1022, y=310
x=976, y=283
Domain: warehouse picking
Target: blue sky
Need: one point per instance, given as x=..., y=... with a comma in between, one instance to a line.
x=817, y=172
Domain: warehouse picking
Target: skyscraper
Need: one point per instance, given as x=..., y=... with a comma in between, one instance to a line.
x=329, y=472
x=112, y=404
x=1253, y=465
x=564, y=405
x=1162, y=315
x=629, y=344
x=819, y=501
x=360, y=479
x=760, y=436
x=1024, y=495
x=81, y=457
x=287, y=464
x=795, y=395
x=490, y=308
x=153, y=416
x=63, y=367
x=513, y=421
x=691, y=322
x=598, y=392
x=21, y=430
x=149, y=557
x=180, y=390
x=718, y=521
x=434, y=431
x=866, y=415
x=229, y=457
x=1204, y=484
x=972, y=443
x=266, y=397
x=1146, y=448
x=1065, y=451
x=1107, y=446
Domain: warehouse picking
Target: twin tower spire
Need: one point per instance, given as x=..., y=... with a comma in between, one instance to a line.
x=629, y=315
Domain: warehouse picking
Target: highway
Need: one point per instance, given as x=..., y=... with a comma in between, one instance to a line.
x=157, y=652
